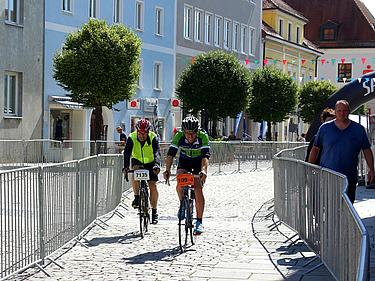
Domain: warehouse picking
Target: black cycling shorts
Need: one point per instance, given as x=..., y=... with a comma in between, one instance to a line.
x=149, y=167
x=190, y=165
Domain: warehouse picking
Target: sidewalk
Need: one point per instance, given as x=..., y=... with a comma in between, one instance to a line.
x=240, y=242
x=365, y=206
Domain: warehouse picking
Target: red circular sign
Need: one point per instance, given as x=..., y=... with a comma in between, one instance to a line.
x=175, y=103
x=133, y=103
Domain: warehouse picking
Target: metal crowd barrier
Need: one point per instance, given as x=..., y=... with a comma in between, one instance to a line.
x=313, y=201
x=44, y=207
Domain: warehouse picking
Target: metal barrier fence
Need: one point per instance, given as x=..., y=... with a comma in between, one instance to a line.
x=313, y=201
x=231, y=156
x=43, y=208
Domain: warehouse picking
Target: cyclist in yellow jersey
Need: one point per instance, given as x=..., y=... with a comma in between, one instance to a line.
x=193, y=144
x=142, y=149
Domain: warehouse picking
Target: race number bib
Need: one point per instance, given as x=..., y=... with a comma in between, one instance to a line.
x=185, y=180
x=141, y=175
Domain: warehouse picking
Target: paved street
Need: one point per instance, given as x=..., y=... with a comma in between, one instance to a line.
x=240, y=242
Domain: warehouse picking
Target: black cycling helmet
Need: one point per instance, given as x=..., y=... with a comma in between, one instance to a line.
x=190, y=123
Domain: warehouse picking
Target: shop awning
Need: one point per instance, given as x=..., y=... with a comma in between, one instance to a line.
x=66, y=102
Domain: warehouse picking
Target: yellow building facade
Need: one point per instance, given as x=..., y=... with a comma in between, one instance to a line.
x=285, y=48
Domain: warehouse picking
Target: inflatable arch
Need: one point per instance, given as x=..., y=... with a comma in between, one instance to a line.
x=357, y=92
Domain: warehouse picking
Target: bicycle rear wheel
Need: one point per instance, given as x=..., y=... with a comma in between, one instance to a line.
x=183, y=227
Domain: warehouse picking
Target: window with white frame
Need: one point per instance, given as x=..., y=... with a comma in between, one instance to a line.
x=251, y=41
x=226, y=34
x=297, y=35
x=244, y=39
x=281, y=27
x=14, y=11
x=218, y=28
x=208, y=29
x=198, y=24
x=139, y=15
x=140, y=78
x=117, y=8
x=158, y=75
x=12, y=93
x=93, y=8
x=188, y=14
x=159, y=21
x=67, y=6
x=236, y=35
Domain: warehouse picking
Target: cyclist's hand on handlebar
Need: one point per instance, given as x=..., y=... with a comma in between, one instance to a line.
x=156, y=169
x=203, y=176
x=166, y=176
x=125, y=170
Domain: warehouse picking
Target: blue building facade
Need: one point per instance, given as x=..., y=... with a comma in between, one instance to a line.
x=154, y=22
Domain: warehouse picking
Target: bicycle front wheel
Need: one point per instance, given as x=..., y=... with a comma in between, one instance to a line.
x=143, y=210
x=183, y=227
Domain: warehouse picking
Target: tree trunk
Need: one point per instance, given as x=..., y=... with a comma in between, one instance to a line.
x=214, y=128
x=269, y=131
x=98, y=128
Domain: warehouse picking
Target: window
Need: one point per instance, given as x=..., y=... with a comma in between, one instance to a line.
x=289, y=31
x=198, y=25
x=236, y=33
x=244, y=39
x=252, y=41
x=93, y=8
x=140, y=78
x=226, y=34
x=139, y=15
x=218, y=23
x=157, y=76
x=12, y=93
x=159, y=21
x=187, y=22
x=117, y=8
x=329, y=31
x=208, y=29
x=328, y=34
x=344, y=71
x=297, y=35
x=14, y=11
x=281, y=27
x=66, y=6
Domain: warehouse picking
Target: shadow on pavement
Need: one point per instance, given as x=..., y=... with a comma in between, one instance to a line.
x=162, y=255
x=122, y=239
x=291, y=257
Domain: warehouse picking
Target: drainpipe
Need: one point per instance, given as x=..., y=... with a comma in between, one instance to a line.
x=43, y=61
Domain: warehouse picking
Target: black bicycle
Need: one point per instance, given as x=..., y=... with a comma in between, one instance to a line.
x=143, y=176
x=186, y=211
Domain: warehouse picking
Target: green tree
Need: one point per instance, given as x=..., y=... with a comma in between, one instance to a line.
x=215, y=84
x=99, y=66
x=312, y=96
x=273, y=96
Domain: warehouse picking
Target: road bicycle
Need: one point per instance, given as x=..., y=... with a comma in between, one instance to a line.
x=143, y=176
x=186, y=211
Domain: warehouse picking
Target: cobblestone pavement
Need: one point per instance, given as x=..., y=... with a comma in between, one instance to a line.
x=240, y=242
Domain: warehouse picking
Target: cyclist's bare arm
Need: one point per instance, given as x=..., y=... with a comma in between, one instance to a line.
x=204, y=167
x=168, y=165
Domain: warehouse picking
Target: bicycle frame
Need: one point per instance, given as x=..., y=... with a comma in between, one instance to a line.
x=185, y=224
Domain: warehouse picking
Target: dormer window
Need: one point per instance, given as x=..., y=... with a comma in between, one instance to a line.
x=328, y=31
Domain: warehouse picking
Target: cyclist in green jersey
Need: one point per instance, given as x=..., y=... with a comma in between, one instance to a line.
x=193, y=144
x=142, y=150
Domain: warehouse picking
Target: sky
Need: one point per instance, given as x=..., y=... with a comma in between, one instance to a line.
x=370, y=4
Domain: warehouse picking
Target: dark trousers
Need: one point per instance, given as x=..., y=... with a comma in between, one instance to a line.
x=352, y=186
